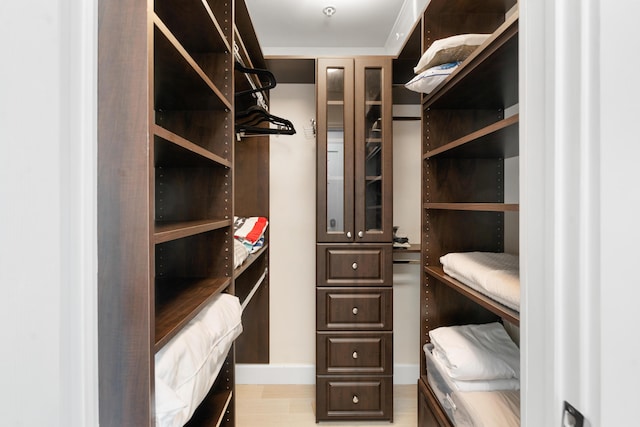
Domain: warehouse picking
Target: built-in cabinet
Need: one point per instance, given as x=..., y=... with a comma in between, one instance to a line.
x=354, y=338
x=166, y=162
x=466, y=138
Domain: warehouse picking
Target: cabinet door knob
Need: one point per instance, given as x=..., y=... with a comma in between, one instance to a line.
x=354, y=265
x=348, y=234
x=355, y=399
x=355, y=310
x=360, y=234
x=355, y=355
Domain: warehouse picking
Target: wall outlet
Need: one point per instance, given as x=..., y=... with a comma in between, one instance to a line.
x=571, y=417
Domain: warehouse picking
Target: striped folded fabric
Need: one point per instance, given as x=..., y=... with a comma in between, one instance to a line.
x=251, y=229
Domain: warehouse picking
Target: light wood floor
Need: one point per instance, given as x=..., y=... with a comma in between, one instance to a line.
x=294, y=406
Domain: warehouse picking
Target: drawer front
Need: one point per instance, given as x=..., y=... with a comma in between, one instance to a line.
x=354, y=353
x=351, y=398
x=354, y=265
x=354, y=309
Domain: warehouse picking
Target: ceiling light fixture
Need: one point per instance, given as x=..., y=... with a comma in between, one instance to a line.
x=329, y=11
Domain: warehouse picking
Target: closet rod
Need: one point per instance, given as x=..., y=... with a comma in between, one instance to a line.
x=259, y=97
x=247, y=300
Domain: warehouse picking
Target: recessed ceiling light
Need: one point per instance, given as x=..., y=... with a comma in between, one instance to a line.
x=329, y=11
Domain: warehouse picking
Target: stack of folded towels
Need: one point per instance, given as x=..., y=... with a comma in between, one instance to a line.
x=482, y=364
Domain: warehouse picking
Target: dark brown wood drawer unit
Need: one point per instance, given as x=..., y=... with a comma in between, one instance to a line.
x=352, y=353
x=354, y=252
x=354, y=265
x=354, y=309
x=362, y=398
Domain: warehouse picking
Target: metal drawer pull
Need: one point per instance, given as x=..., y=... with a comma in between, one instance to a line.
x=355, y=355
x=360, y=234
x=355, y=310
x=355, y=399
x=354, y=265
x=348, y=234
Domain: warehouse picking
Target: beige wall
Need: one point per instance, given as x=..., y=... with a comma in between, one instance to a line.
x=292, y=246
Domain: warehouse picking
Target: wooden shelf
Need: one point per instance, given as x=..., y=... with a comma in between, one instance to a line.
x=212, y=411
x=498, y=140
x=480, y=207
x=180, y=83
x=483, y=300
x=179, y=301
x=167, y=231
x=179, y=151
x=486, y=78
x=193, y=24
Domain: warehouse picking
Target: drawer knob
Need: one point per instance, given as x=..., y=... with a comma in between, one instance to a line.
x=348, y=234
x=360, y=234
x=355, y=310
x=354, y=265
x=355, y=355
x=355, y=399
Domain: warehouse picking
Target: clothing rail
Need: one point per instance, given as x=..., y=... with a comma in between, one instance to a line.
x=257, y=94
x=247, y=300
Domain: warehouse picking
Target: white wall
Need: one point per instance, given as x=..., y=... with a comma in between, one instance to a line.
x=579, y=206
x=407, y=172
x=48, y=362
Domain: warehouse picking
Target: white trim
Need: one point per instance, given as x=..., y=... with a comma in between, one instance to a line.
x=305, y=374
x=79, y=323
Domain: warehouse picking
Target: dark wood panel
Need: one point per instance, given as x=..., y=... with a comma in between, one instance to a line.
x=125, y=373
x=500, y=310
x=442, y=126
x=497, y=140
x=464, y=180
x=179, y=82
x=171, y=149
x=194, y=27
x=354, y=353
x=355, y=398
x=354, y=265
x=192, y=193
x=252, y=346
x=354, y=309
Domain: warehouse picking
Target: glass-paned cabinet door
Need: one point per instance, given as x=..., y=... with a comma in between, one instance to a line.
x=335, y=150
x=373, y=149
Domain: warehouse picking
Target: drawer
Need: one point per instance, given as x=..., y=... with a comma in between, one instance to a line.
x=354, y=265
x=341, y=398
x=361, y=353
x=354, y=309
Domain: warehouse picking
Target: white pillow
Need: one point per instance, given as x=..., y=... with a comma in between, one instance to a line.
x=450, y=49
x=426, y=81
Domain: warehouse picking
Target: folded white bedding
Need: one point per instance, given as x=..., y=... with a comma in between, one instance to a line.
x=497, y=275
x=187, y=366
x=487, y=408
x=476, y=352
x=472, y=385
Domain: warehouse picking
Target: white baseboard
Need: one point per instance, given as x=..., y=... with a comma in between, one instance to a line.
x=305, y=374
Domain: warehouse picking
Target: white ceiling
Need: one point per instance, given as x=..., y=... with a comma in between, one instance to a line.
x=287, y=28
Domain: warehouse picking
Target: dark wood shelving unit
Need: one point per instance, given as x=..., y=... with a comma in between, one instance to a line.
x=166, y=171
x=466, y=139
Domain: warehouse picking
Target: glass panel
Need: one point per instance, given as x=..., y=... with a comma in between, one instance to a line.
x=335, y=150
x=373, y=149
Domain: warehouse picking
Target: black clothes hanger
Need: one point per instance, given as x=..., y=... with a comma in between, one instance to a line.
x=248, y=121
x=262, y=74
